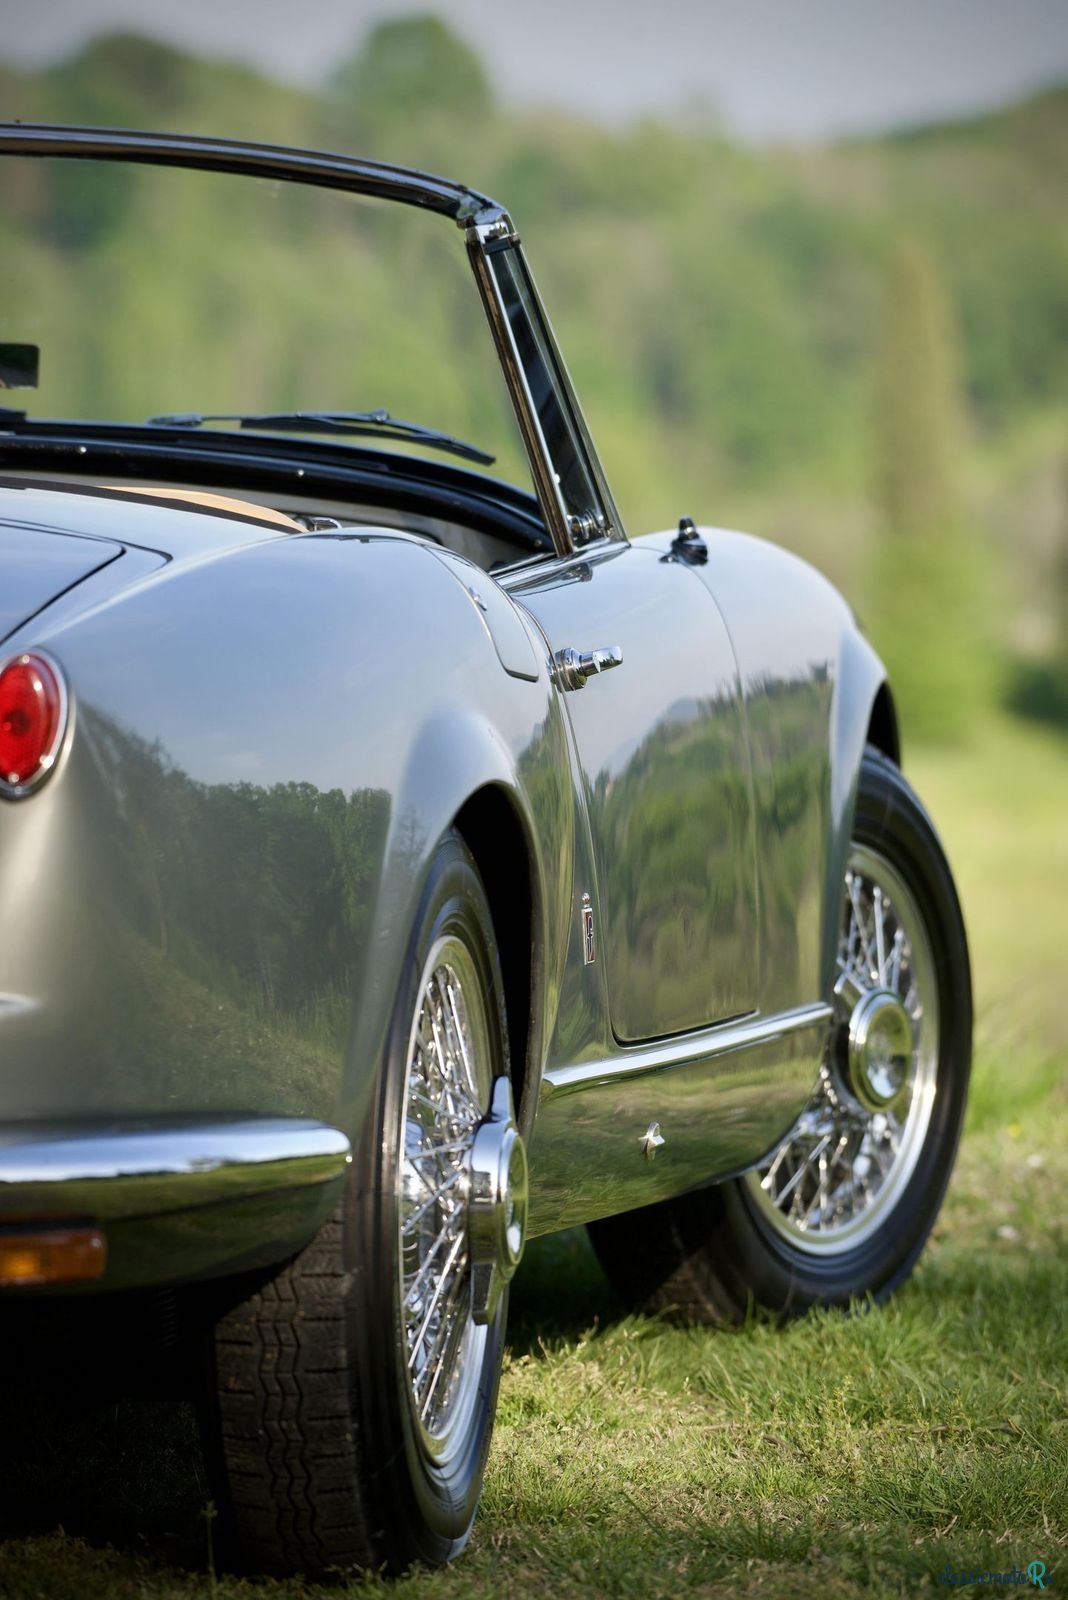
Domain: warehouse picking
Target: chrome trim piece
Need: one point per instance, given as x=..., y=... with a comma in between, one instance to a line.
x=177, y=1201
x=727, y=1093
x=589, y=946
x=651, y=1140
x=496, y=1204
x=534, y=442
x=490, y=228
x=588, y=525
x=683, y=1050
x=19, y=791
x=321, y=168
x=880, y=1050
x=614, y=530
x=567, y=531
x=573, y=668
x=148, y=1170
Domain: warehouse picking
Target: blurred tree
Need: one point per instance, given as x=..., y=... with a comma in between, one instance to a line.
x=920, y=424
x=1061, y=595
x=406, y=68
x=124, y=80
x=929, y=574
x=1038, y=685
x=719, y=306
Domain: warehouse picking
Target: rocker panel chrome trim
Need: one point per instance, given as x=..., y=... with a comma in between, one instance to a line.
x=684, y=1050
x=719, y=1098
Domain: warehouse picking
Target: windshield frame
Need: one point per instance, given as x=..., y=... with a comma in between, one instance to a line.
x=488, y=229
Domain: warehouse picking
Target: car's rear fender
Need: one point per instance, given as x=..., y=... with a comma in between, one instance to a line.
x=219, y=880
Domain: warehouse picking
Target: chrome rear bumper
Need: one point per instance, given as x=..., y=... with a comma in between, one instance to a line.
x=177, y=1201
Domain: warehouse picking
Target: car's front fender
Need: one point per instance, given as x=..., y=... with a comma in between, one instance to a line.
x=810, y=680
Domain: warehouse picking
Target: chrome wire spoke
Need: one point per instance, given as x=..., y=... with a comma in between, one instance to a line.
x=416, y=1283
x=443, y=1347
x=469, y=1082
x=842, y=1165
x=880, y=933
x=444, y=1278
x=895, y=960
x=803, y=1171
x=434, y=1198
x=449, y=1147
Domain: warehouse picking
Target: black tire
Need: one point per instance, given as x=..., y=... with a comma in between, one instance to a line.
x=320, y=1465
x=710, y=1256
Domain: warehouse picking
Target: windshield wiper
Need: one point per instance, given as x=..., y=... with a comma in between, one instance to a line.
x=378, y=423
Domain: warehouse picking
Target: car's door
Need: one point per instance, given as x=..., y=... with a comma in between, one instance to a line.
x=659, y=732
x=661, y=741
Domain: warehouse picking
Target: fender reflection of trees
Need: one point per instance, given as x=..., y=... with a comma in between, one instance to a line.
x=788, y=722
x=266, y=892
x=672, y=818
x=671, y=821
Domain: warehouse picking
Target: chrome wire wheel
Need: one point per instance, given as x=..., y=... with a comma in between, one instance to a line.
x=446, y=1094
x=832, y=1182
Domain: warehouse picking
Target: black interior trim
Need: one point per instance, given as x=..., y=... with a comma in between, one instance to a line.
x=262, y=463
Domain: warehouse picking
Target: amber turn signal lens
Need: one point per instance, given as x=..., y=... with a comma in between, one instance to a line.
x=32, y=714
x=51, y=1255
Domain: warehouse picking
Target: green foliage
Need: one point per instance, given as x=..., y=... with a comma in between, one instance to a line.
x=724, y=312
x=931, y=619
x=927, y=603
x=406, y=67
x=118, y=73
x=919, y=400
x=1037, y=687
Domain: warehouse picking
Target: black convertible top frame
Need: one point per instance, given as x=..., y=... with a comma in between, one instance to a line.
x=319, y=168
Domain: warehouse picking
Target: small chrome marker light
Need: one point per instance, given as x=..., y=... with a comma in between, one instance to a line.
x=33, y=720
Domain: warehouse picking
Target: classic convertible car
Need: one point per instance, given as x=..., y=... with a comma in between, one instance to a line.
x=396, y=863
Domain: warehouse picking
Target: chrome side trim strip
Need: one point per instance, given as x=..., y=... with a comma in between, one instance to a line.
x=147, y=1169
x=682, y=1050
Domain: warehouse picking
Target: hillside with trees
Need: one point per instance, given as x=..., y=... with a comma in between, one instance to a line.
x=858, y=349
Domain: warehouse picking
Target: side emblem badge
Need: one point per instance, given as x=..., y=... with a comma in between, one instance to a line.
x=589, y=952
x=651, y=1140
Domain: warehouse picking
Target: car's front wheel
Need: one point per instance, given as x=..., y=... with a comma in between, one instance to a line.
x=352, y=1393
x=841, y=1208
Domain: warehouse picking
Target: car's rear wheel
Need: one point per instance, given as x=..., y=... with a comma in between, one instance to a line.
x=353, y=1392
x=841, y=1208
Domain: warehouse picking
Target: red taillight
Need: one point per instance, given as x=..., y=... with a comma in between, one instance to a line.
x=32, y=714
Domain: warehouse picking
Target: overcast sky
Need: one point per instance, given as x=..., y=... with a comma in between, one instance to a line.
x=770, y=68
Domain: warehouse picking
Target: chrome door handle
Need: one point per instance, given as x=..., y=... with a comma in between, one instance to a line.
x=573, y=667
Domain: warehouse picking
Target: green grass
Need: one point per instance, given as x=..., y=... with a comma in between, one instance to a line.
x=1000, y=806
x=838, y=1456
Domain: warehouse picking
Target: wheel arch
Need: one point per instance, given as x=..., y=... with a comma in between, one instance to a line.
x=863, y=713
x=883, y=727
x=494, y=831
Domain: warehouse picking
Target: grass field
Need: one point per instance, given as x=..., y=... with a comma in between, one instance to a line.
x=838, y=1456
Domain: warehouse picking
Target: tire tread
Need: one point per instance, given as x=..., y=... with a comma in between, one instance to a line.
x=285, y=1431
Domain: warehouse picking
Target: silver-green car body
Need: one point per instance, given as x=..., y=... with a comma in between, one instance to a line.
x=207, y=904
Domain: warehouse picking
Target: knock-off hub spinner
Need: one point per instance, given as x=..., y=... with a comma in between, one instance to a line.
x=497, y=1203
x=879, y=1053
